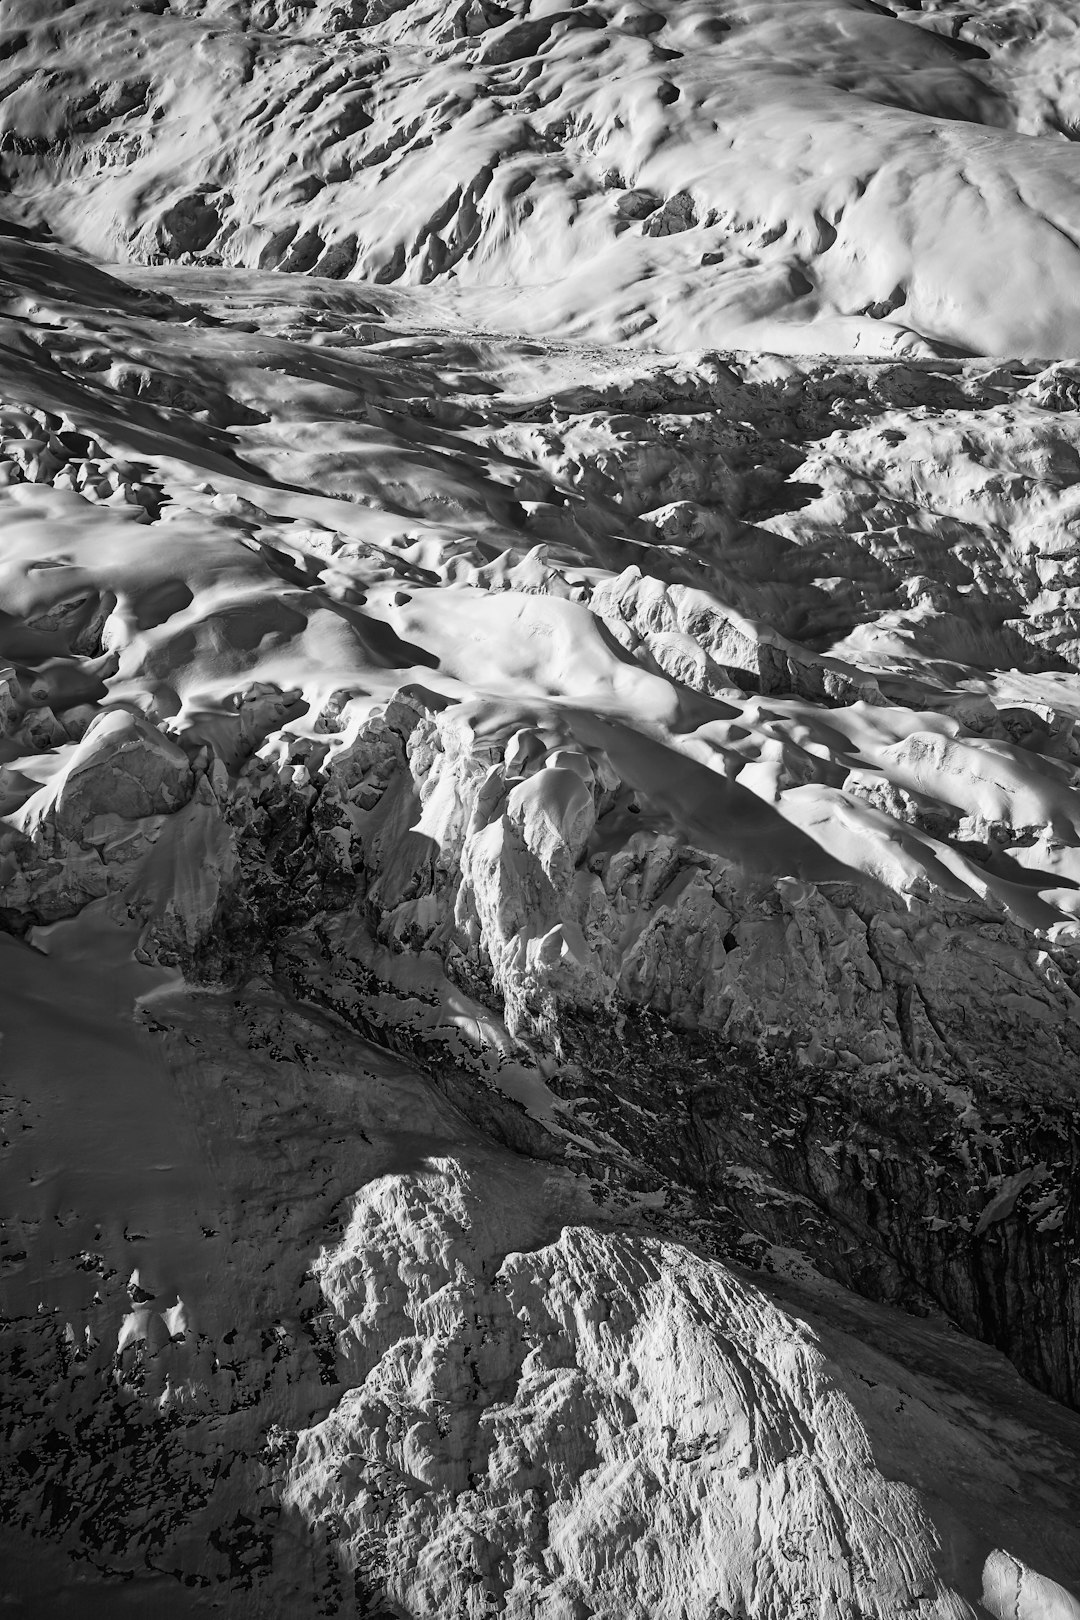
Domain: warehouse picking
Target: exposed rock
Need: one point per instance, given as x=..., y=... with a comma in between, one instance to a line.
x=81, y=833
x=659, y=1436
x=676, y=214
x=189, y=226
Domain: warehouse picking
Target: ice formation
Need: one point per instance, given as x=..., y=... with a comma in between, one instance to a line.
x=539, y=810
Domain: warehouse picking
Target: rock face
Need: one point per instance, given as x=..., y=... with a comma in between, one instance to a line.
x=95, y=817
x=601, y=1426
x=539, y=877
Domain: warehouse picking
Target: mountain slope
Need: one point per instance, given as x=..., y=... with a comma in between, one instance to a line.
x=799, y=176
x=539, y=836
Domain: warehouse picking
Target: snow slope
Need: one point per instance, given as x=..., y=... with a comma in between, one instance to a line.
x=789, y=175
x=539, y=834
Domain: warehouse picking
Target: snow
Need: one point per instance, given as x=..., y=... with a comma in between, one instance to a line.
x=539, y=850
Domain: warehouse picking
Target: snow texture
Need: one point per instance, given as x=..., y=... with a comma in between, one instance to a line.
x=539, y=814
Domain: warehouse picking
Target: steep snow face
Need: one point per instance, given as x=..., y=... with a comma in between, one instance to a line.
x=800, y=176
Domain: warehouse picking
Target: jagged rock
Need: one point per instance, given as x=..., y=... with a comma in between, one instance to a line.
x=640, y=609
x=677, y=214
x=190, y=225
x=658, y=1434
x=83, y=833
x=123, y=767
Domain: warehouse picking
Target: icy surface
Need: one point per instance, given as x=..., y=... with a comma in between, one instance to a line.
x=539, y=816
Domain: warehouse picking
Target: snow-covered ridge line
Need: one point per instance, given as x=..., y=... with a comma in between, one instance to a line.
x=790, y=176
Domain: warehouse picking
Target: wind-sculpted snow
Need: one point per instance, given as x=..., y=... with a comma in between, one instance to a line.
x=542, y=1001
x=805, y=177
